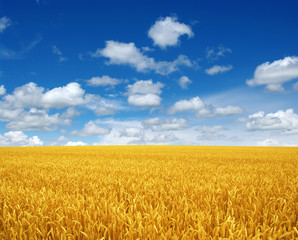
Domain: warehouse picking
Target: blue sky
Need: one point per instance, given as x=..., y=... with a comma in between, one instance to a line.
x=148, y=72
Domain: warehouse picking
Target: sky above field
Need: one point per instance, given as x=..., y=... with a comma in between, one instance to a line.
x=148, y=72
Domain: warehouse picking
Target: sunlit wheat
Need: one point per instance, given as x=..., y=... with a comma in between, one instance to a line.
x=148, y=192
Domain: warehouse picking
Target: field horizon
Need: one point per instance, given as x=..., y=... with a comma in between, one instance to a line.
x=153, y=145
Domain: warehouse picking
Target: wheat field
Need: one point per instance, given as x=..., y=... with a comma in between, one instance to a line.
x=148, y=192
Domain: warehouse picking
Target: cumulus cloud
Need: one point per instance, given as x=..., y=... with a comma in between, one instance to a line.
x=70, y=95
x=148, y=100
x=132, y=132
x=122, y=132
x=103, y=81
x=227, y=111
x=5, y=22
x=286, y=121
x=62, y=139
x=2, y=90
x=70, y=113
x=128, y=54
x=103, y=106
x=27, y=108
x=202, y=110
x=18, y=138
x=193, y=104
x=103, y=111
x=210, y=129
x=145, y=87
x=167, y=31
x=157, y=124
x=90, y=129
x=33, y=120
x=164, y=138
x=213, y=54
x=184, y=82
x=210, y=133
x=144, y=93
x=274, y=75
x=30, y=95
x=79, y=143
x=218, y=69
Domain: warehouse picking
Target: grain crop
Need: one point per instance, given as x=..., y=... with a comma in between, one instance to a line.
x=148, y=192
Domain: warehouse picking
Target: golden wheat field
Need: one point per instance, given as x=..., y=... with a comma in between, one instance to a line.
x=148, y=192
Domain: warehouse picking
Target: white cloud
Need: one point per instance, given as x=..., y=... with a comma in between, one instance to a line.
x=156, y=124
x=203, y=110
x=193, y=104
x=59, y=141
x=103, y=81
x=128, y=54
x=122, y=132
x=275, y=74
x=218, y=69
x=62, y=139
x=184, y=82
x=164, y=138
x=9, y=114
x=2, y=90
x=30, y=95
x=79, y=143
x=103, y=106
x=18, y=138
x=27, y=107
x=145, y=87
x=148, y=100
x=70, y=113
x=229, y=110
x=5, y=22
x=35, y=141
x=70, y=95
x=132, y=132
x=144, y=93
x=33, y=120
x=214, y=53
x=166, y=32
x=286, y=121
x=268, y=142
x=210, y=129
x=117, y=138
x=210, y=133
x=103, y=111
x=90, y=129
